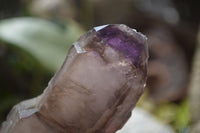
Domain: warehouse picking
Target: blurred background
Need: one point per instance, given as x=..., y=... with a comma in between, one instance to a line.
x=35, y=36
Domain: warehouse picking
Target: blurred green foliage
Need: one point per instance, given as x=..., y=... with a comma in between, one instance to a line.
x=175, y=114
x=31, y=50
x=21, y=77
x=46, y=41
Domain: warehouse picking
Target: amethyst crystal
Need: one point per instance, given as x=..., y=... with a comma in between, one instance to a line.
x=129, y=46
x=94, y=91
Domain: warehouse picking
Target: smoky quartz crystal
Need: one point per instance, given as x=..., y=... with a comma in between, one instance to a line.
x=94, y=91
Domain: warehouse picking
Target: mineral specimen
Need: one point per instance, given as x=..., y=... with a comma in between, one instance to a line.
x=94, y=91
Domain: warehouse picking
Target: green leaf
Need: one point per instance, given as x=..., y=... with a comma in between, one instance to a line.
x=46, y=41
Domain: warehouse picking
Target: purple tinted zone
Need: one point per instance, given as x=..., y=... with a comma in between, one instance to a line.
x=120, y=41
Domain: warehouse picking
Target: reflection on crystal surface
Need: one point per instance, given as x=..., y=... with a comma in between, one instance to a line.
x=95, y=90
x=99, y=27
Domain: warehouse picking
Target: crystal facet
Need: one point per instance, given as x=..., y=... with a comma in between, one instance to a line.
x=95, y=90
x=118, y=39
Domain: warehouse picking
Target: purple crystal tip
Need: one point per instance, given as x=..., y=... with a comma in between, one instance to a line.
x=124, y=40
